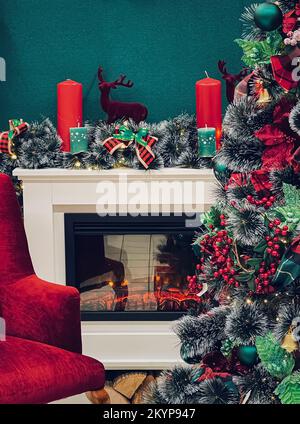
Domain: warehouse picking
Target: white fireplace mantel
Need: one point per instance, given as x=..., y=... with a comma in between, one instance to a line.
x=50, y=193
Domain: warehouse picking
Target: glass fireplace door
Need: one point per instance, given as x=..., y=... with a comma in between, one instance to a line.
x=130, y=267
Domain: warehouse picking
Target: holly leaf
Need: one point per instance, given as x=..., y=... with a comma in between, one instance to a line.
x=254, y=263
x=196, y=247
x=280, y=214
x=244, y=277
x=258, y=53
x=276, y=360
x=251, y=284
x=288, y=390
x=212, y=217
x=261, y=247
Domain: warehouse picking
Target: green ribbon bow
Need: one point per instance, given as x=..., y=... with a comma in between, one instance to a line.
x=13, y=123
x=125, y=134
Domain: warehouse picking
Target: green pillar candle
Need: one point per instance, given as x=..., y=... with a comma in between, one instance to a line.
x=207, y=142
x=79, y=139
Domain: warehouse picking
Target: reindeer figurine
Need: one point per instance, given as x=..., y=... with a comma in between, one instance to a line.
x=231, y=79
x=119, y=110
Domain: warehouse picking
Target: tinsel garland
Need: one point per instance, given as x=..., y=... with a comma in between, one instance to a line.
x=40, y=148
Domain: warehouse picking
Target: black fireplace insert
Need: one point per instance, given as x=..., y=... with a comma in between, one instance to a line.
x=130, y=268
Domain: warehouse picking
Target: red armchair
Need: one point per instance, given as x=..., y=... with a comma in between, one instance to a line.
x=41, y=360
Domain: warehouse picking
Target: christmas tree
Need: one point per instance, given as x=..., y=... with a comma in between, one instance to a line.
x=243, y=343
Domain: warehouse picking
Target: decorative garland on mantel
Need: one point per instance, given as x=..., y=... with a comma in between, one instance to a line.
x=39, y=147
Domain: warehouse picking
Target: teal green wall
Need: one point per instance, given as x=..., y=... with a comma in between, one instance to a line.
x=164, y=46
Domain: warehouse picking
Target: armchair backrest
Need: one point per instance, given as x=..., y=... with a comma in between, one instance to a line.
x=15, y=262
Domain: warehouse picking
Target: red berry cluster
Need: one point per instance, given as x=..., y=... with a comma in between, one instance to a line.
x=275, y=241
x=217, y=247
x=266, y=202
x=264, y=278
x=194, y=286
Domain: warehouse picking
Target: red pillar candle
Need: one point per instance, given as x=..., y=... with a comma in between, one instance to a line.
x=69, y=110
x=209, y=105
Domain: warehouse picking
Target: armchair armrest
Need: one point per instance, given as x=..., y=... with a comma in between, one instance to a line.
x=48, y=313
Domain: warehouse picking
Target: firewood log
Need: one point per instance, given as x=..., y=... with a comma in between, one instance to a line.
x=115, y=397
x=99, y=397
x=127, y=384
x=138, y=396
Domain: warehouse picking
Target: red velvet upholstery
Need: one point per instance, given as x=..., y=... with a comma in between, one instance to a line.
x=43, y=318
x=44, y=312
x=32, y=372
x=15, y=262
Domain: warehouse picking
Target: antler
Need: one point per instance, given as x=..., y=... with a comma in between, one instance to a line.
x=244, y=72
x=100, y=76
x=222, y=67
x=231, y=77
x=120, y=81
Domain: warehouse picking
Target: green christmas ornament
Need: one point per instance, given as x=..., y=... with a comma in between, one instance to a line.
x=247, y=355
x=268, y=16
x=221, y=172
x=220, y=167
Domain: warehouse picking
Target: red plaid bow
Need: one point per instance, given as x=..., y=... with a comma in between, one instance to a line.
x=283, y=68
x=16, y=127
x=296, y=161
x=123, y=137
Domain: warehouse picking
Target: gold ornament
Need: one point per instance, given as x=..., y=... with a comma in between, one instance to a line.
x=264, y=97
x=288, y=342
x=120, y=163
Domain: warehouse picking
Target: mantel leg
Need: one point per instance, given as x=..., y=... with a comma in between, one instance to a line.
x=38, y=220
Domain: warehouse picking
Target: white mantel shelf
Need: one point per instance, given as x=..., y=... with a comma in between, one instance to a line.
x=48, y=195
x=56, y=174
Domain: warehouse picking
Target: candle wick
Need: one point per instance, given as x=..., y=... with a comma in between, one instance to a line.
x=206, y=73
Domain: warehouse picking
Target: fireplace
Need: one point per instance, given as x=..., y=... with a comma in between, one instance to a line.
x=114, y=338
x=130, y=268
